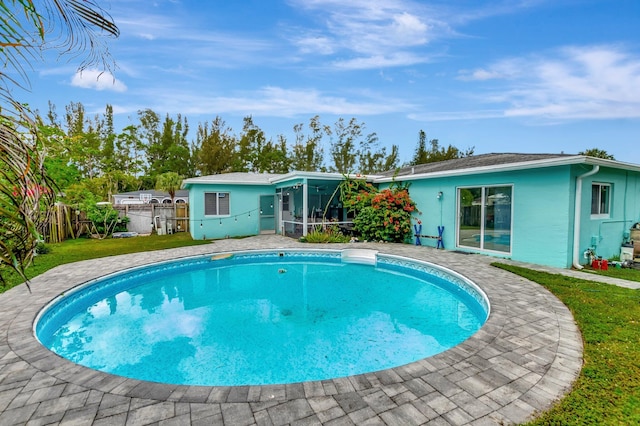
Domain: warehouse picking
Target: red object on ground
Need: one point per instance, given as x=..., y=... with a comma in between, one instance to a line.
x=604, y=265
x=595, y=264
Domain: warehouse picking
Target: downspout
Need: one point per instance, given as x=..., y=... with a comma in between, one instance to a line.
x=577, y=215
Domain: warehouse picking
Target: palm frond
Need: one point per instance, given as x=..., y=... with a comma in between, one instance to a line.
x=78, y=26
x=26, y=192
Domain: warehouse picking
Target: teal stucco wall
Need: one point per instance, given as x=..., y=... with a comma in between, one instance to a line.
x=541, y=212
x=244, y=211
x=605, y=235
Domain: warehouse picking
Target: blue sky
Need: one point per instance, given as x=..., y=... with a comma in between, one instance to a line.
x=542, y=76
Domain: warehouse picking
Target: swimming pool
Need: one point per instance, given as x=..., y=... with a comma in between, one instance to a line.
x=263, y=317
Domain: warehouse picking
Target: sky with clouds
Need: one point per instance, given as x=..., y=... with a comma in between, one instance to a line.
x=543, y=76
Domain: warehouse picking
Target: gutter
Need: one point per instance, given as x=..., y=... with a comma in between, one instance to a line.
x=577, y=215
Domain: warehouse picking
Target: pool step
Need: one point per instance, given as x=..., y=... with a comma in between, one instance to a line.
x=362, y=256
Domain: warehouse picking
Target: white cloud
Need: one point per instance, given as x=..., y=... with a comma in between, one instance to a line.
x=586, y=82
x=275, y=101
x=385, y=33
x=382, y=61
x=457, y=115
x=315, y=44
x=97, y=80
x=408, y=29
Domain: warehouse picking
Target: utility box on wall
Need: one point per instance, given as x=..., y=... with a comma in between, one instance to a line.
x=626, y=252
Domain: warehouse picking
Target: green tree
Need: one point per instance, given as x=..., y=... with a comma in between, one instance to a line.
x=597, y=153
x=57, y=161
x=257, y=154
x=149, y=131
x=107, y=142
x=345, y=137
x=250, y=147
x=169, y=182
x=84, y=142
x=307, y=153
x=128, y=153
x=353, y=151
x=103, y=217
x=167, y=148
x=373, y=159
x=26, y=192
x=214, y=148
x=275, y=158
x=435, y=152
x=421, y=155
x=391, y=160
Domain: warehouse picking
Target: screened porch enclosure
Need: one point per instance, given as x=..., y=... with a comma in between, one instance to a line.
x=306, y=206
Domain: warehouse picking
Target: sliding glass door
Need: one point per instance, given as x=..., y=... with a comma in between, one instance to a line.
x=484, y=218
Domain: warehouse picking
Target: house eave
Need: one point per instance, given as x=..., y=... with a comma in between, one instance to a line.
x=320, y=176
x=552, y=162
x=213, y=181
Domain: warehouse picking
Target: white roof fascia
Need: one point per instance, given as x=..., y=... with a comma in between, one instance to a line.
x=614, y=164
x=210, y=180
x=551, y=162
x=306, y=175
x=320, y=175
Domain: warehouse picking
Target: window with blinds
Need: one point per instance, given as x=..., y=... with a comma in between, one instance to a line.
x=216, y=203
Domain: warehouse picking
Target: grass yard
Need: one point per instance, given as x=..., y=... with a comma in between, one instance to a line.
x=85, y=248
x=607, y=391
x=624, y=274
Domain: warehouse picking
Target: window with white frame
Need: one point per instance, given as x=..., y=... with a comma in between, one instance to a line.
x=216, y=203
x=600, y=199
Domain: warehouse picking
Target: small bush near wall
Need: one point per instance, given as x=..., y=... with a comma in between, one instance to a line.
x=328, y=234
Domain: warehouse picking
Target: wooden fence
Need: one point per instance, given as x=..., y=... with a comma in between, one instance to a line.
x=66, y=222
x=62, y=224
x=161, y=218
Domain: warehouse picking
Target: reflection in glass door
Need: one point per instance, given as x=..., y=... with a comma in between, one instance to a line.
x=485, y=218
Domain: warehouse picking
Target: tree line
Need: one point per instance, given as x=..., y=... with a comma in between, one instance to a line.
x=87, y=157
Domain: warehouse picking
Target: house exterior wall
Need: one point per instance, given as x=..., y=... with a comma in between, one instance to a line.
x=543, y=216
x=541, y=212
x=244, y=211
x=606, y=234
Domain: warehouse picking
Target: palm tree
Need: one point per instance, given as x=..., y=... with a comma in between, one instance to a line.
x=26, y=192
x=169, y=182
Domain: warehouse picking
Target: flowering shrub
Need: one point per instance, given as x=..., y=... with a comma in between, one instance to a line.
x=380, y=215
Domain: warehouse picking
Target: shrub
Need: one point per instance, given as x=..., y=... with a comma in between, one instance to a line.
x=326, y=234
x=380, y=215
x=42, y=248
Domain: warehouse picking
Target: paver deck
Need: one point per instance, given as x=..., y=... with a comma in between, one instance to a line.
x=524, y=358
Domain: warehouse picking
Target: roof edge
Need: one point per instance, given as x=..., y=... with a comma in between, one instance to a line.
x=548, y=162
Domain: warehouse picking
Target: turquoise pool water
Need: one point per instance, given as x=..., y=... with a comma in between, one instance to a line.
x=262, y=318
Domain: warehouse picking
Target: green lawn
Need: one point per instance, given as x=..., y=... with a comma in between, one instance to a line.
x=625, y=274
x=608, y=389
x=84, y=248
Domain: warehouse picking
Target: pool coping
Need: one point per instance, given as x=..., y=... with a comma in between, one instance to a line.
x=525, y=357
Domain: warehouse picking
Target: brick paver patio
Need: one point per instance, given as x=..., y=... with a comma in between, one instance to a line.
x=523, y=359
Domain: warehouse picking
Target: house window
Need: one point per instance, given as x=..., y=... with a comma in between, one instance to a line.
x=600, y=199
x=216, y=203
